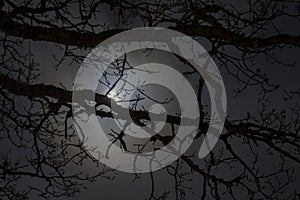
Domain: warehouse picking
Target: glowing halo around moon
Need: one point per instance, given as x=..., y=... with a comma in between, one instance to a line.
x=96, y=62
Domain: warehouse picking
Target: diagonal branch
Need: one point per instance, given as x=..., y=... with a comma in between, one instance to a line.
x=56, y=35
x=249, y=130
x=89, y=39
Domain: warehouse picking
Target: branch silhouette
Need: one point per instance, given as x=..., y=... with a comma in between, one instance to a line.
x=39, y=145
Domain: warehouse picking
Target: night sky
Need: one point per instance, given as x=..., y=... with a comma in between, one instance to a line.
x=138, y=186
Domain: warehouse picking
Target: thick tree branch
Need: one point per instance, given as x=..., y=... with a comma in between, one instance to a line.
x=239, y=40
x=56, y=35
x=90, y=39
x=249, y=130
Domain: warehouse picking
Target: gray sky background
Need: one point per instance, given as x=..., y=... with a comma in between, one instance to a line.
x=124, y=186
